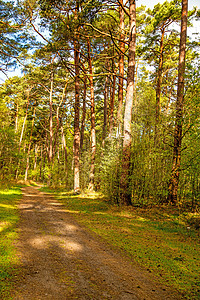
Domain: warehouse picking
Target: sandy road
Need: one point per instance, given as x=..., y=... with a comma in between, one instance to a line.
x=61, y=260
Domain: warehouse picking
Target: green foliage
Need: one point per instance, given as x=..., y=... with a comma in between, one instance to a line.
x=8, y=145
x=8, y=220
x=14, y=40
x=84, y=169
x=190, y=174
x=166, y=12
x=24, y=102
x=108, y=166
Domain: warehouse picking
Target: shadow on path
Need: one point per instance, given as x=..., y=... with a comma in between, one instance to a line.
x=60, y=260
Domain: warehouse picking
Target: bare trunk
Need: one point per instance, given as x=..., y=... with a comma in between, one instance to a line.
x=29, y=148
x=112, y=101
x=23, y=126
x=83, y=114
x=174, y=180
x=105, y=112
x=41, y=161
x=27, y=162
x=124, y=183
x=109, y=97
x=36, y=151
x=51, y=120
x=16, y=118
x=46, y=139
x=66, y=156
x=56, y=133
x=158, y=85
x=93, y=132
x=76, y=119
x=121, y=68
x=76, y=146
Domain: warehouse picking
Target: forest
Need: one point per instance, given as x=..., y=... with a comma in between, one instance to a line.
x=107, y=99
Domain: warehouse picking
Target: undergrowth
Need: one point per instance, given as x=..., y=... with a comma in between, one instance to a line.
x=8, y=221
x=161, y=238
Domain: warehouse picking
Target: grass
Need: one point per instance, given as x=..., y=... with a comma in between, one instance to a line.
x=157, y=238
x=8, y=220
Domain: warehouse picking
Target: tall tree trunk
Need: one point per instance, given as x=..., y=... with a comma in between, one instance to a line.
x=66, y=156
x=76, y=119
x=83, y=113
x=135, y=84
x=24, y=122
x=41, y=162
x=174, y=180
x=36, y=151
x=112, y=101
x=158, y=84
x=125, y=194
x=105, y=108
x=22, y=131
x=76, y=146
x=56, y=133
x=51, y=119
x=58, y=119
x=46, y=139
x=16, y=117
x=29, y=148
x=109, y=96
x=93, y=132
x=121, y=67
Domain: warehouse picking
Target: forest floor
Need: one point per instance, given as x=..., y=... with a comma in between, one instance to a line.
x=60, y=259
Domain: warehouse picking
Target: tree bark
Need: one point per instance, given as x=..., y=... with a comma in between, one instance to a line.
x=23, y=126
x=29, y=148
x=66, y=156
x=41, y=162
x=109, y=96
x=51, y=119
x=93, y=131
x=16, y=118
x=76, y=146
x=175, y=173
x=36, y=151
x=56, y=132
x=76, y=119
x=83, y=113
x=112, y=101
x=105, y=108
x=158, y=84
x=121, y=67
x=125, y=194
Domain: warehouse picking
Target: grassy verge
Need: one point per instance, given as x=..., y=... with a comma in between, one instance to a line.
x=8, y=221
x=159, y=238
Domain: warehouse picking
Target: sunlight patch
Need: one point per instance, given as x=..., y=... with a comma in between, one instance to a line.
x=39, y=243
x=100, y=213
x=70, y=228
x=46, y=241
x=73, y=246
x=56, y=203
x=26, y=206
x=142, y=219
x=33, y=195
x=7, y=206
x=3, y=226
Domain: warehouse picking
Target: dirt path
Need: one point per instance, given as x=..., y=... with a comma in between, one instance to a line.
x=61, y=260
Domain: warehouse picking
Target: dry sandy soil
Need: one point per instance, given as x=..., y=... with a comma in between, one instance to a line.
x=61, y=260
